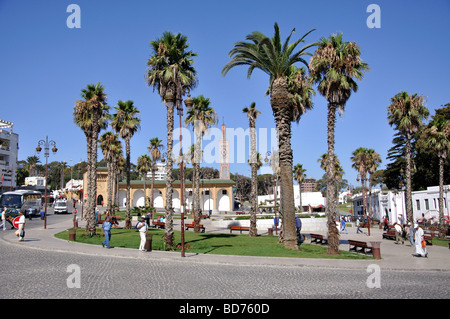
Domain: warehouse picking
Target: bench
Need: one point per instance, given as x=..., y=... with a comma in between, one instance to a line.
x=204, y=216
x=192, y=226
x=319, y=239
x=240, y=228
x=240, y=213
x=364, y=248
x=100, y=221
x=390, y=234
x=156, y=224
x=429, y=238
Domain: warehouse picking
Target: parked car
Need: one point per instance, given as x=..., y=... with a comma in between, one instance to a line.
x=61, y=207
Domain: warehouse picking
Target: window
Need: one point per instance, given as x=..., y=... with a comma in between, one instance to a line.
x=224, y=191
x=418, y=204
x=427, y=205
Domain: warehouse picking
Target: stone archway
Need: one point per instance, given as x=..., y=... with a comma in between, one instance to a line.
x=223, y=200
x=138, y=198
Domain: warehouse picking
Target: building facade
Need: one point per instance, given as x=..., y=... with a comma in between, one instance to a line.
x=216, y=194
x=9, y=146
x=392, y=204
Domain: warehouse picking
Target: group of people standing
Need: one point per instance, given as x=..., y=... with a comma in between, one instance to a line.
x=142, y=226
x=414, y=233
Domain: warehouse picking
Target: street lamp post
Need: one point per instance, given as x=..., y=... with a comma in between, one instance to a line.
x=46, y=145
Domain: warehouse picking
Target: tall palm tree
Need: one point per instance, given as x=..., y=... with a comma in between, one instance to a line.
x=252, y=114
x=360, y=161
x=372, y=166
x=290, y=96
x=201, y=117
x=406, y=113
x=91, y=115
x=334, y=67
x=32, y=161
x=144, y=165
x=299, y=176
x=170, y=69
x=110, y=145
x=155, y=152
x=126, y=123
x=436, y=136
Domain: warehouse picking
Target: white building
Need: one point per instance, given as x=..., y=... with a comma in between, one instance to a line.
x=9, y=146
x=392, y=204
x=310, y=200
x=160, y=173
x=427, y=202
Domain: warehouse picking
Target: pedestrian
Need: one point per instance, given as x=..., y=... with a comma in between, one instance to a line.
x=398, y=233
x=21, y=231
x=298, y=225
x=411, y=234
x=421, y=250
x=358, y=226
x=106, y=228
x=143, y=228
x=75, y=218
x=3, y=225
x=386, y=224
x=343, y=226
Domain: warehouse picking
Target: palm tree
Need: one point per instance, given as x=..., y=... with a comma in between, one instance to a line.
x=201, y=117
x=32, y=161
x=91, y=115
x=155, y=152
x=406, y=113
x=110, y=145
x=170, y=69
x=436, y=136
x=252, y=114
x=290, y=96
x=144, y=165
x=334, y=67
x=372, y=166
x=126, y=123
x=299, y=176
x=360, y=161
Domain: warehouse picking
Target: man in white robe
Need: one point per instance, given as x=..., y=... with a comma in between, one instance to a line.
x=420, y=251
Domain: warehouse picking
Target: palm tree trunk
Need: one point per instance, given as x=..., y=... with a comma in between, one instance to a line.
x=128, y=216
x=300, y=196
x=442, y=224
x=153, y=185
x=110, y=185
x=253, y=232
x=197, y=158
x=408, y=205
x=92, y=191
x=333, y=233
x=279, y=101
x=168, y=236
x=254, y=191
x=197, y=196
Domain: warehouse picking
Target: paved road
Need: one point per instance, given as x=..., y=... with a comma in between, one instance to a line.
x=33, y=271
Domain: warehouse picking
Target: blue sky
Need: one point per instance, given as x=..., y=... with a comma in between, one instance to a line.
x=44, y=65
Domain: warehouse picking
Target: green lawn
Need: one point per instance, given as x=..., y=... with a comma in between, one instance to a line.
x=213, y=243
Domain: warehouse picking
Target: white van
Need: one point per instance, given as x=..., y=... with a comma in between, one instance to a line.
x=61, y=206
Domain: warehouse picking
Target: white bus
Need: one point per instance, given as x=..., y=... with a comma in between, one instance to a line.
x=28, y=201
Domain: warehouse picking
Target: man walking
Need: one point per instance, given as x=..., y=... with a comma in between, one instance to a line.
x=358, y=226
x=142, y=226
x=398, y=233
x=3, y=219
x=106, y=227
x=343, y=226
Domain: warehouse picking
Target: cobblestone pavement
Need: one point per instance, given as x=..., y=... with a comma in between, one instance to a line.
x=34, y=273
x=42, y=267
